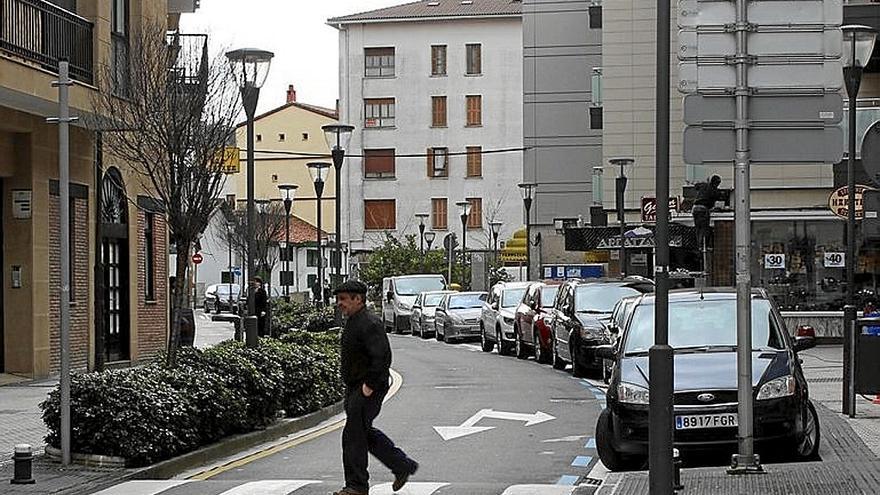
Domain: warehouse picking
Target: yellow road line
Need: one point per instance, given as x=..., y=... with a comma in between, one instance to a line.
x=237, y=463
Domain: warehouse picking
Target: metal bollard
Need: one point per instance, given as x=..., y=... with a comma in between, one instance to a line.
x=676, y=466
x=23, y=472
x=250, y=331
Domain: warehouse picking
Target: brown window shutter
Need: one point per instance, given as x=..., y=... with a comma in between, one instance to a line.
x=430, y=155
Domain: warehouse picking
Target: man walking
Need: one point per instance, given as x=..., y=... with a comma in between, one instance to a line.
x=261, y=305
x=366, y=360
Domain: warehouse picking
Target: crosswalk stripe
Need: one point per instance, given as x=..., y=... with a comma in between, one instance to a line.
x=581, y=461
x=269, y=487
x=568, y=480
x=539, y=490
x=142, y=487
x=591, y=444
x=409, y=489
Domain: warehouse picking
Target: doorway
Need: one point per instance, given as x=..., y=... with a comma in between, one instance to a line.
x=114, y=258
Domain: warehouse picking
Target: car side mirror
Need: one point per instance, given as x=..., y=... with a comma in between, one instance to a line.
x=805, y=338
x=606, y=352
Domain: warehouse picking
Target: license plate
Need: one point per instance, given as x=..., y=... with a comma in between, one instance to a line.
x=725, y=420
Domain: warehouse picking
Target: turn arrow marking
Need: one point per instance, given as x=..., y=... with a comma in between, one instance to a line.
x=469, y=428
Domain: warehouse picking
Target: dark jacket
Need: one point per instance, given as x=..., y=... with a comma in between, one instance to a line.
x=366, y=353
x=261, y=301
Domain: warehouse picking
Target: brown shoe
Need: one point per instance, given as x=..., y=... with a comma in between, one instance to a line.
x=350, y=491
x=401, y=479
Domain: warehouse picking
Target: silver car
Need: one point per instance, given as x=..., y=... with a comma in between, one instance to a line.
x=422, y=316
x=458, y=316
x=496, y=322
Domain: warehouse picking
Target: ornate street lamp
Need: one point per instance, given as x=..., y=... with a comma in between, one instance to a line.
x=464, y=208
x=495, y=228
x=429, y=239
x=527, y=189
x=289, y=191
x=619, y=191
x=319, y=171
x=338, y=136
x=250, y=66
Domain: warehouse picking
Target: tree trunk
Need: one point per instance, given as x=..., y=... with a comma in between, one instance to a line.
x=178, y=301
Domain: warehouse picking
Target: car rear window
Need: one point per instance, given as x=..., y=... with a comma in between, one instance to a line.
x=433, y=299
x=703, y=323
x=548, y=295
x=512, y=297
x=600, y=298
x=466, y=301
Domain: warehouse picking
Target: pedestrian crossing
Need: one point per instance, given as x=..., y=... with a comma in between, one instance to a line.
x=315, y=487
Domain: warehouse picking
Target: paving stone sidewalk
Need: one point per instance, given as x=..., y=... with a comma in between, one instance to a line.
x=20, y=415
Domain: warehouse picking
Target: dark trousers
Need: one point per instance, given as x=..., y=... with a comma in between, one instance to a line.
x=359, y=437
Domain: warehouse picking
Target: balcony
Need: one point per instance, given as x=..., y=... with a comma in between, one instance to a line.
x=42, y=33
x=188, y=62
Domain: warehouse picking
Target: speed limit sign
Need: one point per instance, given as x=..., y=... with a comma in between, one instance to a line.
x=835, y=260
x=774, y=261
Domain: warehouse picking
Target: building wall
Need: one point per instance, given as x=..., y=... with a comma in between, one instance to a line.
x=412, y=87
x=153, y=314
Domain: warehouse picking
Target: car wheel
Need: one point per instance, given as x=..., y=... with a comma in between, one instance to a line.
x=502, y=349
x=388, y=328
x=439, y=336
x=577, y=367
x=808, y=448
x=520, y=347
x=446, y=337
x=422, y=330
x=558, y=363
x=217, y=308
x=540, y=353
x=484, y=342
x=611, y=458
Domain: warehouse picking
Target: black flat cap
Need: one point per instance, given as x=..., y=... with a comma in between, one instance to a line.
x=351, y=287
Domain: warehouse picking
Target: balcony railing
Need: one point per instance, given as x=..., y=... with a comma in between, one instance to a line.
x=43, y=33
x=188, y=59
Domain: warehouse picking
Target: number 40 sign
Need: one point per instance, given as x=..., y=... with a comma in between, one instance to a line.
x=835, y=260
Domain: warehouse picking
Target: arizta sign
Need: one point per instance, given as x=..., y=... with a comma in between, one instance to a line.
x=839, y=201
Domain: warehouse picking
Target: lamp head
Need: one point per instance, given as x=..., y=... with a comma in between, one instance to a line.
x=429, y=236
x=464, y=208
x=318, y=171
x=858, y=45
x=250, y=66
x=337, y=135
x=495, y=227
x=527, y=189
x=289, y=190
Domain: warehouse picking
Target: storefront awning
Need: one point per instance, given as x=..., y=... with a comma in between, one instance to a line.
x=592, y=238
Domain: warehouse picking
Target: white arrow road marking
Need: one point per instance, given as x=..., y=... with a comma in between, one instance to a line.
x=409, y=489
x=269, y=487
x=539, y=490
x=468, y=428
x=142, y=487
x=572, y=438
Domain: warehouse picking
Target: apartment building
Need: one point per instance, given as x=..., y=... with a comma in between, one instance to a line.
x=119, y=311
x=434, y=90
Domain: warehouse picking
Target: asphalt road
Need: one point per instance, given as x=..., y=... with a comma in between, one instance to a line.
x=443, y=386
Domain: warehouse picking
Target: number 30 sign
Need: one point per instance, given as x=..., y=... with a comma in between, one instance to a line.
x=774, y=261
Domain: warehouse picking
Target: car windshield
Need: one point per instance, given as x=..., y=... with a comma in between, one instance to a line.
x=548, y=295
x=466, y=301
x=600, y=298
x=415, y=285
x=432, y=299
x=224, y=289
x=512, y=297
x=703, y=325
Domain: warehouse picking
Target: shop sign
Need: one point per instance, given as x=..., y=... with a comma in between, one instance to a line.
x=835, y=260
x=649, y=208
x=635, y=243
x=839, y=200
x=774, y=261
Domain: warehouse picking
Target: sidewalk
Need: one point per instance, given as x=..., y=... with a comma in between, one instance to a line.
x=20, y=416
x=849, y=449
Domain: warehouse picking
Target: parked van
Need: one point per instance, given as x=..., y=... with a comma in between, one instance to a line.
x=399, y=294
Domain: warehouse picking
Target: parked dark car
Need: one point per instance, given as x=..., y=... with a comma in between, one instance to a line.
x=702, y=332
x=581, y=313
x=530, y=327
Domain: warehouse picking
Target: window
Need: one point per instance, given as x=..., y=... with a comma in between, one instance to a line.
x=286, y=253
x=230, y=200
x=596, y=98
x=474, y=161
x=595, y=17
x=438, y=162
x=380, y=214
x=274, y=178
x=438, y=60
x=595, y=117
x=379, y=163
x=379, y=112
x=474, y=110
x=438, y=111
x=474, y=59
x=149, y=255
x=438, y=213
x=310, y=280
x=379, y=62
x=281, y=136
x=71, y=255
x=119, y=47
x=226, y=277
x=475, y=219
x=311, y=257
x=305, y=136
x=335, y=259
x=259, y=137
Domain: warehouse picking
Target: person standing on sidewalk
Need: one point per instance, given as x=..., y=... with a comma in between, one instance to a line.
x=365, y=363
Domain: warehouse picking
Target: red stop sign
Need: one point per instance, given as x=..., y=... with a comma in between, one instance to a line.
x=197, y=258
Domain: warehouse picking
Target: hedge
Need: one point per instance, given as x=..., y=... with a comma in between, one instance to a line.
x=151, y=413
x=287, y=316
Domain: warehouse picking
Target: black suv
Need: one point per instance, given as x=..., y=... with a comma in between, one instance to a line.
x=702, y=332
x=580, y=316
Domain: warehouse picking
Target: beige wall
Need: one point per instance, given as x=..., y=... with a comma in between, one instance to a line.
x=293, y=122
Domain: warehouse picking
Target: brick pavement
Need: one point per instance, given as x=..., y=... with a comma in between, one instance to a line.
x=20, y=415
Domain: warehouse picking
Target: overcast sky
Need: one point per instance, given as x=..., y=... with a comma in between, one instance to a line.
x=306, y=48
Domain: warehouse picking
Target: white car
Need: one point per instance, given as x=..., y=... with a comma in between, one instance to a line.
x=399, y=294
x=421, y=320
x=496, y=322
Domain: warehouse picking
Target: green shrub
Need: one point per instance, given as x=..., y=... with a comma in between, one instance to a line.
x=287, y=316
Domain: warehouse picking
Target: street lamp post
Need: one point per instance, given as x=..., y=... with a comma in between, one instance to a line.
x=289, y=191
x=338, y=136
x=464, y=208
x=495, y=228
x=858, y=44
x=251, y=66
x=318, y=171
x=422, y=217
x=620, y=190
x=429, y=239
x=527, y=190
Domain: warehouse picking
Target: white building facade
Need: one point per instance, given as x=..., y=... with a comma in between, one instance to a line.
x=435, y=92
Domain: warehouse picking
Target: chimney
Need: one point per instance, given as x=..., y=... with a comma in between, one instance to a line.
x=291, y=94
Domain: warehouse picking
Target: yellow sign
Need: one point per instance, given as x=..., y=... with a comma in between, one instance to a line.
x=231, y=161
x=508, y=257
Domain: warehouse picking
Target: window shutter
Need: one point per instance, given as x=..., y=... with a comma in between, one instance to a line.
x=430, y=155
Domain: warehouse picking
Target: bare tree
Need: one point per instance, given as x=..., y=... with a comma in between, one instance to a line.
x=170, y=109
x=268, y=234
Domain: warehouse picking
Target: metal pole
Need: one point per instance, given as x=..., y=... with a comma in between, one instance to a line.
x=195, y=285
x=450, y=254
x=287, y=251
x=745, y=461
x=250, y=94
x=621, y=217
x=338, y=156
x=63, y=84
x=319, y=189
x=660, y=356
x=463, y=249
x=528, y=205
